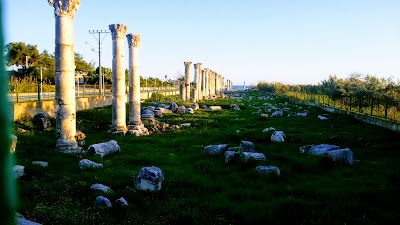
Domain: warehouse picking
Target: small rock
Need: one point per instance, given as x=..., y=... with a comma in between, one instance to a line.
x=185, y=125
x=246, y=146
x=268, y=169
x=181, y=109
x=194, y=106
x=229, y=155
x=268, y=129
x=103, y=202
x=341, y=155
x=121, y=202
x=322, y=117
x=149, y=179
x=213, y=108
x=173, y=106
x=189, y=110
x=18, y=171
x=86, y=163
x=103, y=149
x=204, y=107
x=100, y=187
x=40, y=163
x=215, y=149
x=278, y=136
x=246, y=156
x=41, y=121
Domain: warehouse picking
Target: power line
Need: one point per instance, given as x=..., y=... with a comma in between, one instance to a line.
x=99, y=40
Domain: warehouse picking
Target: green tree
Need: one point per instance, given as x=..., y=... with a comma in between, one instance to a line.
x=19, y=54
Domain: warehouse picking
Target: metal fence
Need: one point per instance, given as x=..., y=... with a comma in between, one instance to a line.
x=366, y=105
x=37, y=92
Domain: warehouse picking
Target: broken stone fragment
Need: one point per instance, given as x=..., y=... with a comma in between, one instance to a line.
x=121, y=202
x=340, y=155
x=278, y=136
x=100, y=187
x=40, y=163
x=213, y=108
x=103, y=149
x=149, y=179
x=103, y=202
x=246, y=156
x=246, y=146
x=18, y=171
x=86, y=163
x=318, y=149
x=229, y=155
x=215, y=149
x=268, y=169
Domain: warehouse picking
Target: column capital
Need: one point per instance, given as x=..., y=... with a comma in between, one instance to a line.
x=197, y=65
x=187, y=64
x=64, y=7
x=133, y=40
x=117, y=30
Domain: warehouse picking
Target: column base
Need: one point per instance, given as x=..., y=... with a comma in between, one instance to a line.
x=138, y=130
x=68, y=146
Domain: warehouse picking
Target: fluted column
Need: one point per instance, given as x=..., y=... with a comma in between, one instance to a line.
x=186, y=88
x=204, y=83
x=134, y=80
x=64, y=57
x=118, y=78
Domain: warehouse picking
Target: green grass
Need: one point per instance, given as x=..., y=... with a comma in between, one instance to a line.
x=200, y=189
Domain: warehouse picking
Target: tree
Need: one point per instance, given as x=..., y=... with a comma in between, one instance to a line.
x=82, y=65
x=19, y=54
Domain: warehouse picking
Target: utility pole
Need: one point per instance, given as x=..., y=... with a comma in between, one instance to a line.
x=99, y=40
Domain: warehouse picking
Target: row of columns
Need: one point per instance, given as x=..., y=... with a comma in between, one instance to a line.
x=206, y=83
x=65, y=76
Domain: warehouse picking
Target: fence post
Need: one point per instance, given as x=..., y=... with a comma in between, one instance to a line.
x=39, y=93
x=17, y=91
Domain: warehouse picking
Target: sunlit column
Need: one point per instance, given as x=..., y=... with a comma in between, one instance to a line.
x=134, y=80
x=197, y=69
x=118, y=78
x=64, y=57
x=186, y=88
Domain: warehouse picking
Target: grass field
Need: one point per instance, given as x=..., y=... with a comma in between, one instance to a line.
x=201, y=189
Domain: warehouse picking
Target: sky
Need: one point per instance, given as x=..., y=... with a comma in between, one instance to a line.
x=291, y=41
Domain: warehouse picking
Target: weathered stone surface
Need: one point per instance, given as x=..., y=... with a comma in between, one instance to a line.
x=138, y=130
x=155, y=104
x=20, y=220
x=40, y=163
x=214, y=107
x=13, y=143
x=194, y=106
x=165, y=111
x=204, y=107
x=41, y=121
x=189, y=110
x=318, y=149
x=236, y=149
x=229, y=155
x=277, y=113
x=149, y=179
x=268, y=129
x=264, y=115
x=215, y=149
x=21, y=131
x=103, y=149
x=121, y=202
x=341, y=155
x=151, y=108
x=19, y=171
x=173, y=106
x=322, y=117
x=86, y=163
x=301, y=114
x=268, y=169
x=278, y=136
x=246, y=156
x=181, y=109
x=246, y=146
x=185, y=124
x=157, y=113
x=103, y=202
x=100, y=187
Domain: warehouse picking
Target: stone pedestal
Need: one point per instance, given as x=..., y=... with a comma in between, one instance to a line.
x=118, y=78
x=65, y=73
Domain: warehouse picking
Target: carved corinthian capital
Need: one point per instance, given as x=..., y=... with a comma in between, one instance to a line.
x=133, y=40
x=197, y=65
x=64, y=7
x=187, y=65
x=117, y=30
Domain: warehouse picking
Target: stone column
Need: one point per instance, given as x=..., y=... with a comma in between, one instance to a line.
x=216, y=84
x=211, y=83
x=118, y=79
x=197, y=69
x=134, y=80
x=203, y=84
x=186, y=95
x=64, y=57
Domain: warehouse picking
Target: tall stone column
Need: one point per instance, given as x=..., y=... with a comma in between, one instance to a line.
x=64, y=57
x=197, y=69
x=118, y=78
x=134, y=80
x=216, y=84
x=211, y=83
x=203, y=83
x=186, y=95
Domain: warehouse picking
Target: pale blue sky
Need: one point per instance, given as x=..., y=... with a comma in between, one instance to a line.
x=292, y=41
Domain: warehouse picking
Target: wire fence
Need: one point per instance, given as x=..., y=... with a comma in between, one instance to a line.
x=37, y=92
x=380, y=107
